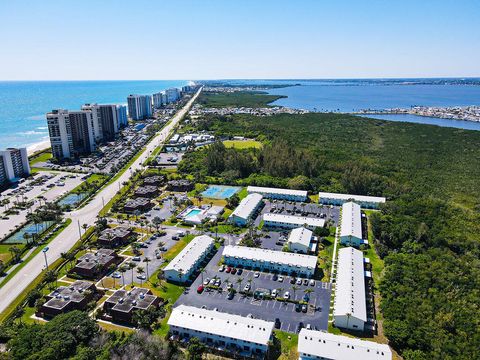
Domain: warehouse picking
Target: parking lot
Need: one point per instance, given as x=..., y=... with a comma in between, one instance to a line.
x=316, y=315
x=149, y=250
x=169, y=159
x=300, y=209
x=51, y=186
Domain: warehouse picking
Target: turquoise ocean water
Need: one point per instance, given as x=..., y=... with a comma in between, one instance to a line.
x=23, y=104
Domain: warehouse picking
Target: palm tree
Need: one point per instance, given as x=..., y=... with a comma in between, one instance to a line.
x=140, y=271
x=239, y=282
x=85, y=227
x=146, y=261
x=122, y=269
x=294, y=288
x=15, y=251
x=132, y=266
x=49, y=277
x=26, y=237
x=308, y=291
x=112, y=268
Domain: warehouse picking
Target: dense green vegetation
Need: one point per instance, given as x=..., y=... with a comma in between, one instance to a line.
x=76, y=336
x=240, y=99
x=428, y=233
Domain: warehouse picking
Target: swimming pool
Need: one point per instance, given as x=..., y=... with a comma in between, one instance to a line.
x=192, y=212
x=220, y=191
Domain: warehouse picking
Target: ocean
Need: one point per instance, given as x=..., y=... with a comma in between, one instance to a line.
x=23, y=104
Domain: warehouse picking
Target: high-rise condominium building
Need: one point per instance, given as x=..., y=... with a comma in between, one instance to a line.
x=122, y=116
x=13, y=165
x=173, y=94
x=104, y=120
x=71, y=133
x=159, y=100
x=139, y=106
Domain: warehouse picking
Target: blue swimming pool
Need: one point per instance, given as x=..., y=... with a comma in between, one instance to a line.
x=193, y=212
x=220, y=191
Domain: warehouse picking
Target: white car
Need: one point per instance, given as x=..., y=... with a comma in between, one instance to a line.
x=206, y=281
x=257, y=274
x=141, y=277
x=247, y=287
x=286, y=295
x=299, y=281
x=274, y=293
x=312, y=282
x=280, y=278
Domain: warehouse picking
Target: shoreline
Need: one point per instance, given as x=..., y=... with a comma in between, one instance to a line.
x=39, y=146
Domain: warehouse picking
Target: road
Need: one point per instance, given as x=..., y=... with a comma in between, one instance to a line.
x=86, y=215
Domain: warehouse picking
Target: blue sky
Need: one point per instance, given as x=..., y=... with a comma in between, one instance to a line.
x=214, y=39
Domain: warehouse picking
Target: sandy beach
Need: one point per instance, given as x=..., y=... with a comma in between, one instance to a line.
x=38, y=146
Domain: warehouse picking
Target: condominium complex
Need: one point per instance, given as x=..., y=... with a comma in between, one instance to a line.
x=246, y=210
x=104, y=120
x=279, y=194
x=369, y=202
x=13, y=165
x=189, y=259
x=172, y=94
x=351, y=228
x=240, y=334
x=159, y=100
x=270, y=260
x=71, y=133
x=283, y=221
x=314, y=345
x=122, y=116
x=350, y=308
x=139, y=106
x=299, y=240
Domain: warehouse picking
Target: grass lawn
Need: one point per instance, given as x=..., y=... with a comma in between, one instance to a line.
x=41, y=157
x=288, y=345
x=6, y=255
x=242, y=193
x=243, y=144
x=113, y=327
x=253, y=99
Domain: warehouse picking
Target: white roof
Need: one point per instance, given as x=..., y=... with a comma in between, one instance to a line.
x=272, y=256
x=351, y=220
x=268, y=190
x=359, y=198
x=190, y=254
x=220, y=323
x=300, y=236
x=350, y=285
x=247, y=206
x=292, y=219
x=330, y=346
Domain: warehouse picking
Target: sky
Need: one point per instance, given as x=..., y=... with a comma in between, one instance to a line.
x=242, y=39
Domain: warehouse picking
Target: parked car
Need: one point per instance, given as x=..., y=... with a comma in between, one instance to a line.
x=116, y=275
x=299, y=281
x=246, y=287
x=292, y=280
x=280, y=278
x=300, y=326
x=275, y=277
x=222, y=268
x=312, y=282
x=256, y=274
x=136, y=258
x=286, y=295
x=200, y=289
x=230, y=295
x=234, y=271
x=274, y=293
x=278, y=324
x=239, y=271
x=305, y=281
x=229, y=269
x=212, y=281
x=206, y=281
x=308, y=327
x=141, y=277
x=304, y=308
x=298, y=307
x=306, y=298
x=218, y=282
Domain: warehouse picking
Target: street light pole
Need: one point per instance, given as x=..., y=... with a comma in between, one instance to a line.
x=79, y=228
x=45, y=255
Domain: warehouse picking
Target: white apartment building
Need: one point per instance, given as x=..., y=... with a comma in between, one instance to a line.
x=139, y=106
x=246, y=209
x=351, y=225
x=299, y=240
x=349, y=308
x=13, y=165
x=217, y=329
x=368, y=202
x=270, y=260
x=291, y=221
x=187, y=261
x=314, y=345
x=279, y=194
x=104, y=120
x=71, y=133
x=172, y=94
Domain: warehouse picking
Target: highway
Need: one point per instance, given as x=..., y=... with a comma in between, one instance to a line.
x=86, y=215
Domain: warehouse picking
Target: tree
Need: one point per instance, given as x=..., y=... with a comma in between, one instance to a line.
x=195, y=349
x=16, y=253
x=146, y=261
x=233, y=201
x=122, y=269
x=112, y=268
x=132, y=266
x=140, y=271
x=157, y=221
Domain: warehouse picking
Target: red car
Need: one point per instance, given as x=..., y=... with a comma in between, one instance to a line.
x=234, y=271
x=228, y=269
x=200, y=289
